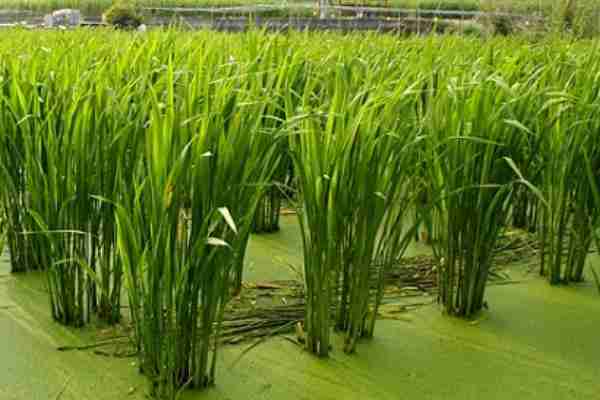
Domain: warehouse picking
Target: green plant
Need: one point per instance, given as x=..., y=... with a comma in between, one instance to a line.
x=266, y=218
x=473, y=140
x=571, y=213
x=568, y=12
x=473, y=30
x=122, y=14
x=13, y=175
x=181, y=134
x=503, y=24
x=206, y=162
x=353, y=160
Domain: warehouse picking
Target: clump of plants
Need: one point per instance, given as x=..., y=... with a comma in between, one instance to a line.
x=473, y=29
x=146, y=173
x=580, y=18
x=586, y=23
x=503, y=24
x=14, y=197
x=353, y=160
x=570, y=154
x=473, y=180
x=266, y=218
x=123, y=14
x=184, y=226
x=568, y=13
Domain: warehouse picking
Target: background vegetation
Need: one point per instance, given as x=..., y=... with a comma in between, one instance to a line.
x=522, y=6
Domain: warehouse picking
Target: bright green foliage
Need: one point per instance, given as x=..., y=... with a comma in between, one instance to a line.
x=354, y=154
x=14, y=107
x=95, y=135
x=58, y=151
x=472, y=180
x=569, y=147
x=181, y=134
x=205, y=163
x=475, y=149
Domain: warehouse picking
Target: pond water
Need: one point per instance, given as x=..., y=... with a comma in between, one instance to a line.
x=535, y=342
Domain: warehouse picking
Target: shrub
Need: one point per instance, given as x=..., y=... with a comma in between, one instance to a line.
x=122, y=15
x=503, y=24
